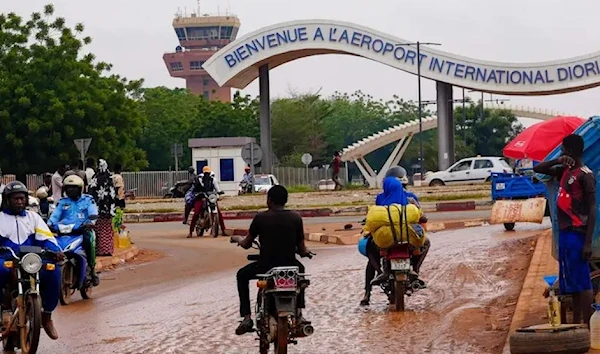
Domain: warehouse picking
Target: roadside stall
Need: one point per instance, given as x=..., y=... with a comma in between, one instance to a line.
x=521, y=196
x=590, y=131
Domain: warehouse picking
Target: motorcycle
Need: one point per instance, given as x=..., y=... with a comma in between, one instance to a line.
x=176, y=191
x=210, y=221
x=245, y=188
x=75, y=272
x=22, y=322
x=276, y=310
x=401, y=281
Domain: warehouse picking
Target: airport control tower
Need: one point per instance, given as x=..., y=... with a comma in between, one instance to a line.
x=200, y=36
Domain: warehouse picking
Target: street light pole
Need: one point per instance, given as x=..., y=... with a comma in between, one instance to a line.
x=464, y=118
x=420, y=109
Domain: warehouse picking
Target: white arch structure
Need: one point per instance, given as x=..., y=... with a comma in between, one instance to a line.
x=403, y=134
x=237, y=64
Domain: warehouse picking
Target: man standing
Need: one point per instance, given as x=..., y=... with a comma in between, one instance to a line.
x=576, y=215
x=336, y=165
x=57, y=183
x=89, y=168
x=1, y=182
x=119, y=184
x=77, y=169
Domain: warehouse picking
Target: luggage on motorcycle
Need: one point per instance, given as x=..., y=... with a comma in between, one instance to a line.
x=381, y=218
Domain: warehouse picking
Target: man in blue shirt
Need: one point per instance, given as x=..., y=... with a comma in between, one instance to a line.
x=81, y=211
x=18, y=227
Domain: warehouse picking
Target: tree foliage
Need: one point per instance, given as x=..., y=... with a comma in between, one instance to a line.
x=175, y=115
x=52, y=93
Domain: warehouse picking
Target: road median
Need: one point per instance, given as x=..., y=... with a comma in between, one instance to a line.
x=120, y=256
x=308, y=212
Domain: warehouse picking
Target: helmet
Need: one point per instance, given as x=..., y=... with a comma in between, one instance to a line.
x=396, y=171
x=13, y=188
x=191, y=169
x=73, y=181
x=205, y=169
x=404, y=180
x=42, y=193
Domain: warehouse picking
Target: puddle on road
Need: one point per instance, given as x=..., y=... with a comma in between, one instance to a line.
x=474, y=278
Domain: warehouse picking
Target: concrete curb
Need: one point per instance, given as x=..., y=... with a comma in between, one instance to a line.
x=119, y=256
x=133, y=218
x=431, y=227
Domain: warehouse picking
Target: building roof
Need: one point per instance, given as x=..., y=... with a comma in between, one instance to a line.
x=220, y=142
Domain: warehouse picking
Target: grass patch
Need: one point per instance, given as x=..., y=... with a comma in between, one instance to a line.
x=450, y=197
x=157, y=210
x=300, y=188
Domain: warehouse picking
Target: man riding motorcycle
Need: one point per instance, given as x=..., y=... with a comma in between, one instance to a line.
x=281, y=236
x=204, y=183
x=19, y=226
x=393, y=193
x=81, y=210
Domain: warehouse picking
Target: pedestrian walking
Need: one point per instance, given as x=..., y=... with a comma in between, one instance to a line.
x=103, y=191
x=336, y=165
x=57, y=182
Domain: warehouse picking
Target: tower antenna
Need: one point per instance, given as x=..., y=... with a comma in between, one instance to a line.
x=198, y=1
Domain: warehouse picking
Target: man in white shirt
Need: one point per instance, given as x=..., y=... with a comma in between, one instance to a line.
x=57, y=183
x=2, y=185
x=89, y=169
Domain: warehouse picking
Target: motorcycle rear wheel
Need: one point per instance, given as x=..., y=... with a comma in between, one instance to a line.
x=66, y=284
x=86, y=293
x=282, y=336
x=30, y=333
x=399, y=290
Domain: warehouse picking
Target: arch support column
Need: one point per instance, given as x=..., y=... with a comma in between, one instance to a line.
x=445, y=129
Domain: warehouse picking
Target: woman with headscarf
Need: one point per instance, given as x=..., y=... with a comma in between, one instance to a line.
x=393, y=193
x=103, y=191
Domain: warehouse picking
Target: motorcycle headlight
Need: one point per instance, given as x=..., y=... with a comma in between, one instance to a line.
x=31, y=263
x=213, y=198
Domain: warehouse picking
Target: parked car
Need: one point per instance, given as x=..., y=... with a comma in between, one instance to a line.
x=262, y=183
x=469, y=171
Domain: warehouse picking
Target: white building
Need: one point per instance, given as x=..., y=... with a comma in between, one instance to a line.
x=223, y=156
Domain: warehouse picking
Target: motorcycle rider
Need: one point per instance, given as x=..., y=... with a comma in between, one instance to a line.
x=79, y=209
x=189, y=194
x=42, y=194
x=204, y=183
x=19, y=226
x=248, y=178
x=393, y=193
x=281, y=236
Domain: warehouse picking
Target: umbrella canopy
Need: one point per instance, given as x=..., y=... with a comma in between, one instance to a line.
x=537, y=141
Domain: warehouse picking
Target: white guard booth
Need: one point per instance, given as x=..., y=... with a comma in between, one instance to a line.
x=223, y=156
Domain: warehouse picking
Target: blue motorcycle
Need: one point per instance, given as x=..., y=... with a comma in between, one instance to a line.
x=75, y=273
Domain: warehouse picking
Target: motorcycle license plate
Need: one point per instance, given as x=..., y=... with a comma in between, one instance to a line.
x=400, y=264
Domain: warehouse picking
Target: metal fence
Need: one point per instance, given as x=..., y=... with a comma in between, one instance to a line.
x=156, y=183
x=294, y=176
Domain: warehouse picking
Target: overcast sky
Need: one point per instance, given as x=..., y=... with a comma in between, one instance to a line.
x=134, y=34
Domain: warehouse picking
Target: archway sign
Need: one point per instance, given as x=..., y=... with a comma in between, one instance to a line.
x=249, y=57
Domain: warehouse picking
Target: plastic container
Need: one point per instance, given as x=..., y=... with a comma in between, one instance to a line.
x=124, y=239
x=595, y=327
x=553, y=310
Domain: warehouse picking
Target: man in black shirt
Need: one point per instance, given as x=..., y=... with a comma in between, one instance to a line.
x=281, y=235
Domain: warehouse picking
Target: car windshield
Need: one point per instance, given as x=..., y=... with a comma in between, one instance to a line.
x=504, y=163
x=262, y=181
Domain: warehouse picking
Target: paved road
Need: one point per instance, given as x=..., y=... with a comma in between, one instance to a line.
x=186, y=302
x=438, y=216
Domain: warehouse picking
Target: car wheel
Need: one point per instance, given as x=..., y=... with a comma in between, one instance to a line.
x=436, y=183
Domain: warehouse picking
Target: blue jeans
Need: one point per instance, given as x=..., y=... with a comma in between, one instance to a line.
x=49, y=284
x=574, y=270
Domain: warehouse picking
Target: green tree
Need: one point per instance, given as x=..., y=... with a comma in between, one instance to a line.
x=169, y=118
x=52, y=92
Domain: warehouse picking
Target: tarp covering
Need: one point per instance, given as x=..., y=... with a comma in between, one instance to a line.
x=590, y=131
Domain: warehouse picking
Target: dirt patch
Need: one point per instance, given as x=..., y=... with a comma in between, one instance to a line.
x=486, y=327
x=145, y=256
x=116, y=340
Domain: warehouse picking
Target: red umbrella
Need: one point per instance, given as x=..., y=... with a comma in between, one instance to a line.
x=537, y=141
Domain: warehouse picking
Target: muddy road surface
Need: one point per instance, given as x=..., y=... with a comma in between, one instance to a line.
x=186, y=301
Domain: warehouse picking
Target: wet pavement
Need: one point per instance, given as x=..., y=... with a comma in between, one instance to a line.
x=187, y=301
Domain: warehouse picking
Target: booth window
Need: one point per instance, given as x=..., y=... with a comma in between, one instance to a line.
x=200, y=165
x=227, y=174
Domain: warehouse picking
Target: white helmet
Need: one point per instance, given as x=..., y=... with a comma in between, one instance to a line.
x=42, y=193
x=73, y=181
